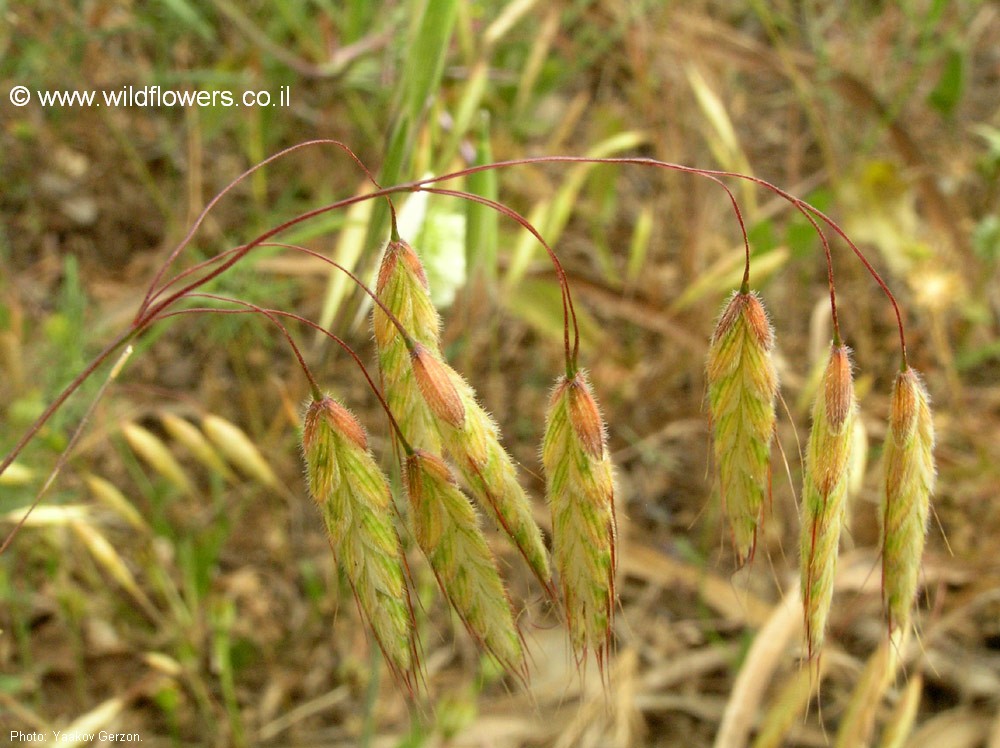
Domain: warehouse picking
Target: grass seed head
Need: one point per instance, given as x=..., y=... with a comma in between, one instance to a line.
x=354, y=498
x=824, y=491
x=402, y=287
x=447, y=530
x=239, y=449
x=488, y=470
x=909, y=482
x=437, y=383
x=580, y=492
x=742, y=387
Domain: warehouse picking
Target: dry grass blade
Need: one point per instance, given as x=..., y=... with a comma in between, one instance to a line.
x=354, y=498
x=824, y=492
x=789, y=705
x=909, y=482
x=900, y=723
x=768, y=647
x=742, y=386
x=858, y=722
x=447, y=531
x=580, y=491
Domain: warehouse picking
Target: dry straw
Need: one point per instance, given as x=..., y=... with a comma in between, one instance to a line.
x=447, y=530
x=742, y=385
x=353, y=496
x=580, y=491
x=909, y=482
x=824, y=491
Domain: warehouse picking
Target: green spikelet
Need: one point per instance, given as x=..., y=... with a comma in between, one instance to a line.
x=580, y=491
x=353, y=496
x=447, y=530
x=402, y=287
x=742, y=386
x=824, y=491
x=472, y=440
x=909, y=482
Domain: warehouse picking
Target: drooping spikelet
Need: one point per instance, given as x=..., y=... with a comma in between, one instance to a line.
x=473, y=441
x=447, y=530
x=824, y=491
x=742, y=385
x=353, y=496
x=402, y=287
x=909, y=482
x=580, y=491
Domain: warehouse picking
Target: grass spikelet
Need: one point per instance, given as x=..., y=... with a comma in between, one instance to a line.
x=909, y=482
x=239, y=449
x=354, y=498
x=580, y=491
x=402, y=287
x=824, y=491
x=157, y=455
x=186, y=433
x=742, y=386
x=473, y=442
x=447, y=530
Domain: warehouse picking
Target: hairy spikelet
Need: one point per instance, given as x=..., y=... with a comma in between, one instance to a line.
x=742, y=385
x=824, y=491
x=580, y=491
x=447, y=530
x=402, y=287
x=353, y=496
x=472, y=440
x=909, y=482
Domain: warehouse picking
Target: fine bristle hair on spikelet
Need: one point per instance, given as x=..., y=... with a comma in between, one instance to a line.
x=472, y=440
x=824, y=491
x=742, y=387
x=447, y=530
x=353, y=496
x=437, y=409
x=402, y=288
x=909, y=483
x=580, y=491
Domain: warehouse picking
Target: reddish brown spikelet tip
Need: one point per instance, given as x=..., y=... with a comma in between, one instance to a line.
x=585, y=417
x=839, y=396
x=437, y=386
x=337, y=417
x=749, y=307
x=394, y=253
x=756, y=318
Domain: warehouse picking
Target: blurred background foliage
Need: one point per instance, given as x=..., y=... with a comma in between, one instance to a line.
x=176, y=583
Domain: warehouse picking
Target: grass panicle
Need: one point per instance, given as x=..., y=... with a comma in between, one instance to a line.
x=581, y=494
x=824, y=491
x=402, y=287
x=742, y=387
x=909, y=482
x=354, y=497
x=446, y=528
